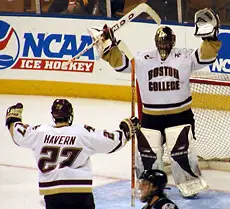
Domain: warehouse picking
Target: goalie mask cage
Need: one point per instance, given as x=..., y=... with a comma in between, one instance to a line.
x=211, y=108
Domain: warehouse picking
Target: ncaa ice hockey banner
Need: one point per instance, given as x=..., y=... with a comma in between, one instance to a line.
x=34, y=48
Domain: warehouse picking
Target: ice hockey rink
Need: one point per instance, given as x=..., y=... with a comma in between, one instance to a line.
x=18, y=174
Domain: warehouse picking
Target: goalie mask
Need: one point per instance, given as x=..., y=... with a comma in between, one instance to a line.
x=151, y=183
x=62, y=111
x=165, y=41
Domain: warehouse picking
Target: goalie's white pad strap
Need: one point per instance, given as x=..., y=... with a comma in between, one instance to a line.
x=154, y=139
x=184, y=161
x=150, y=149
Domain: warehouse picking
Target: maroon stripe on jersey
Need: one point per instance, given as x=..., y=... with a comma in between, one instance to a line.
x=126, y=65
x=65, y=182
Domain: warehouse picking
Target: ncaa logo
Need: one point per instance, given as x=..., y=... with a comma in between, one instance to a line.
x=9, y=45
x=222, y=63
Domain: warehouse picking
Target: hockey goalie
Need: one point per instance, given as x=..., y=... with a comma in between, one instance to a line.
x=164, y=97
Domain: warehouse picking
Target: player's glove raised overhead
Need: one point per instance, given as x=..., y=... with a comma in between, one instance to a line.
x=109, y=34
x=14, y=114
x=105, y=39
x=130, y=126
x=207, y=24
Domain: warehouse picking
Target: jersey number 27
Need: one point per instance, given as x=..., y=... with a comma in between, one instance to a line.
x=50, y=161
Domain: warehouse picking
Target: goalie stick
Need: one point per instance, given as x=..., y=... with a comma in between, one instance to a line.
x=122, y=47
x=141, y=8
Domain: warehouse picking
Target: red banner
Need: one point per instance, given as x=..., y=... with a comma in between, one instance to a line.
x=54, y=65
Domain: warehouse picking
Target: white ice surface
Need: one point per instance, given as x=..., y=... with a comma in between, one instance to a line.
x=18, y=176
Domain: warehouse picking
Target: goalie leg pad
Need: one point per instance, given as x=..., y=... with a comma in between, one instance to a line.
x=150, y=150
x=184, y=161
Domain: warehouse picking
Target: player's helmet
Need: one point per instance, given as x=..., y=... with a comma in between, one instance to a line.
x=158, y=178
x=62, y=111
x=165, y=40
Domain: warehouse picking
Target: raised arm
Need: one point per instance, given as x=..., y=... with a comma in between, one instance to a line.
x=13, y=115
x=207, y=25
x=109, y=50
x=103, y=141
x=22, y=134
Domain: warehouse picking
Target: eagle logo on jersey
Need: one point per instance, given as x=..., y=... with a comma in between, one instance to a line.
x=168, y=206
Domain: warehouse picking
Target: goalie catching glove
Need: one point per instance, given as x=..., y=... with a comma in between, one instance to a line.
x=14, y=114
x=207, y=24
x=105, y=39
x=130, y=126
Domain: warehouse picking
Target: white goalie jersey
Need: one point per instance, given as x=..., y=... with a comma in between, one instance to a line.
x=164, y=85
x=63, y=154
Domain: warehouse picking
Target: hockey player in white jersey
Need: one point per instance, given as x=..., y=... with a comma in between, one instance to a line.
x=62, y=152
x=165, y=107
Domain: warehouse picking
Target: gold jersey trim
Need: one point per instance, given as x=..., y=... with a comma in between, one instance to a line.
x=65, y=190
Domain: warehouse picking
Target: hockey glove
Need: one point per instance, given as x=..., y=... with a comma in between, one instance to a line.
x=14, y=114
x=207, y=24
x=108, y=34
x=130, y=126
x=105, y=39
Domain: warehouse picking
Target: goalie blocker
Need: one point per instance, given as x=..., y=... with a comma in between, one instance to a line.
x=104, y=39
x=184, y=161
